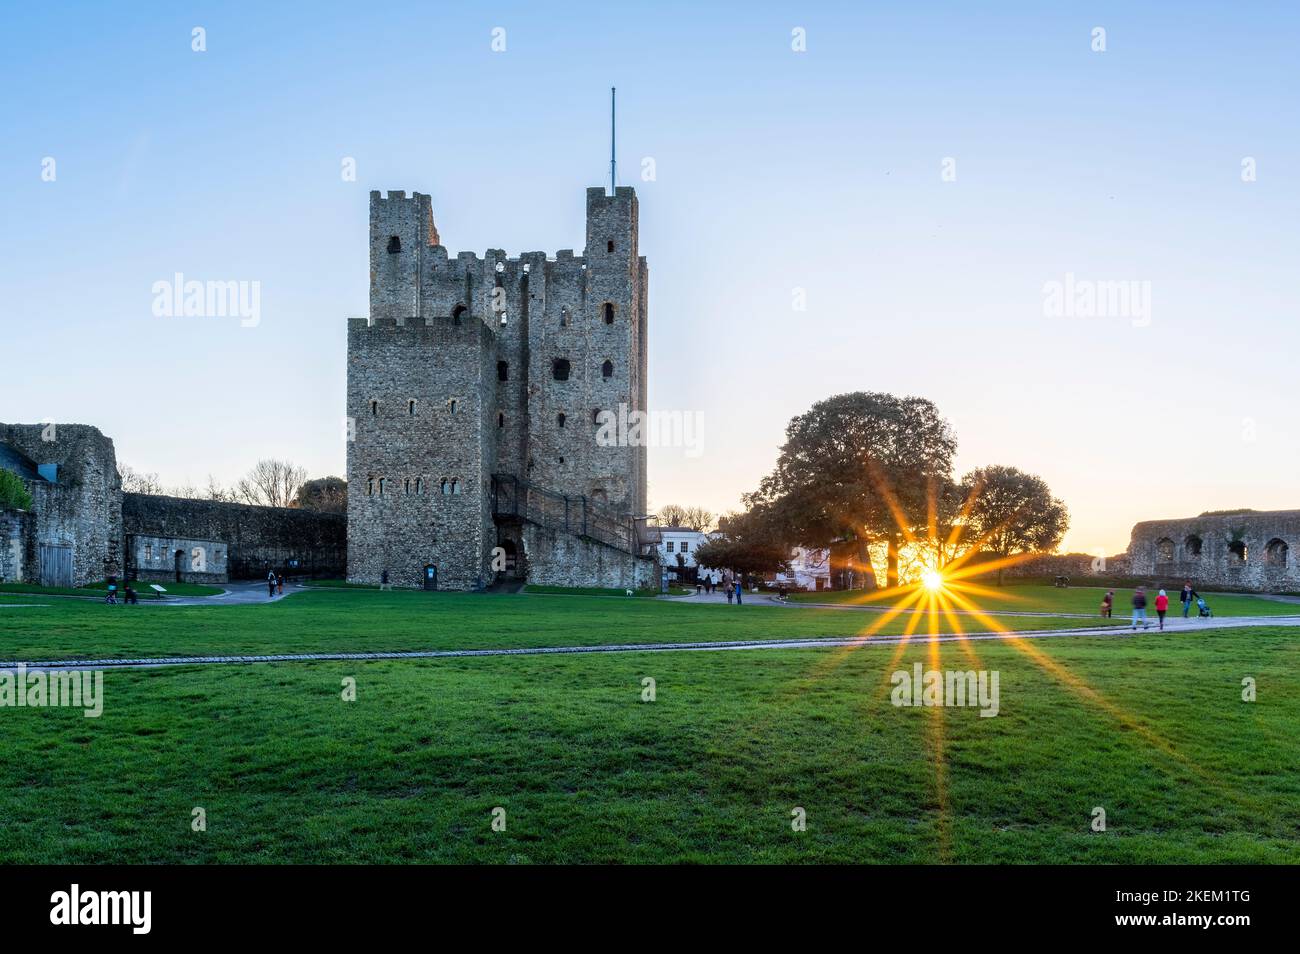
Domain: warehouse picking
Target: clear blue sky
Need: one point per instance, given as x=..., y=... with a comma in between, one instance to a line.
x=776, y=170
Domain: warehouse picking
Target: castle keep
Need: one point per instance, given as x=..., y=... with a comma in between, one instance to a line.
x=474, y=397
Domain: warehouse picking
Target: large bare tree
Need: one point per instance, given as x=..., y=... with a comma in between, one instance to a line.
x=134, y=482
x=271, y=483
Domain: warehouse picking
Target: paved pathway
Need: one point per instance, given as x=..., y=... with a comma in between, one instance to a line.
x=771, y=599
x=1171, y=626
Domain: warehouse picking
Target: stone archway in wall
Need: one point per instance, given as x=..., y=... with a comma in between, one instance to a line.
x=1276, y=554
x=514, y=559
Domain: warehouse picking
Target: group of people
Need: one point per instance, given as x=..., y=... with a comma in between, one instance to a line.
x=274, y=583
x=711, y=582
x=128, y=593
x=1187, y=597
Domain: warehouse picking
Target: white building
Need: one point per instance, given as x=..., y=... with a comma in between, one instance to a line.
x=807, y=567
x=677, y=546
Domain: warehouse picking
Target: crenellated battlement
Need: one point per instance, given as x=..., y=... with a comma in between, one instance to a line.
x=477, y=364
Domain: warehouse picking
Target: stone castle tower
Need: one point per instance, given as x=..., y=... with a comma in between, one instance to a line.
x=473, y=394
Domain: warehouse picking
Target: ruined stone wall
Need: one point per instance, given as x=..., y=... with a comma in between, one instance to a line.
x=82, y=507
x=253, y=539
x=1246, y=551
x=15, y=533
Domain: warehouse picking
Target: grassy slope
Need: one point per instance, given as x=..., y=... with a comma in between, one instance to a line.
x=708, y=772
x=1083, y=599
x=349, y=620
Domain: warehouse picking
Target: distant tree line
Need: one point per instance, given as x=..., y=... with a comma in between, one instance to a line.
x=268, y=483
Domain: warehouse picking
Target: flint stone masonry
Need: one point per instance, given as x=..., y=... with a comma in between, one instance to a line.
x=15, y=532
x=1247, y=551
x=454, y=378
x=81, y=507
x=247, y=541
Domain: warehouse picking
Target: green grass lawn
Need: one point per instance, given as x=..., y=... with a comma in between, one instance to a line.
x=708, y=772
x=1022, y=598
x=341, y=620
x=101, y=589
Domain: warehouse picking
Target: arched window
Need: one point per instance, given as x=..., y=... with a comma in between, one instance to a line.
x=1275, y=553
x=394, y=245
x=419, y=485
x=503, y=370
x=1237, y=551
x=457, y=313
x=560, y=419
x=564, y=317
x=560, y=369
x=406, y=488
x=1164, y=550
x=445, y=486
x=609, y=246
x=410, y=408
x=1192, y=547
x=381, y=486
x=451, y=405
x=370, y=487
x=455, y=486
x=607, y=369
x=608, y=311
x=501, y=419
x=374, y=408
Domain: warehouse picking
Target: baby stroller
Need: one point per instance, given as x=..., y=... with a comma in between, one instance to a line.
x=1203, y=608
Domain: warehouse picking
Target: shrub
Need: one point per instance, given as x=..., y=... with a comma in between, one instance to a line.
x=14, y=494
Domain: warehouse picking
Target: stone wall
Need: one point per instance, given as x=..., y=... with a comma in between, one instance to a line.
x=15, y=532
x=1244, y=551
x=255, y=539
x=556, y=558
x=164, y=559
x=81, y=507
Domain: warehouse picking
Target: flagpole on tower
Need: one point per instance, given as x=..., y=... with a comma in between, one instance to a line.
x=612, y=165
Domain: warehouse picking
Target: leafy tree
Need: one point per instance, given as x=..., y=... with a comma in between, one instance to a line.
x=746, y=544
x=1012, y=512
x=858, y=468
x=326, y=494
x=14, y=494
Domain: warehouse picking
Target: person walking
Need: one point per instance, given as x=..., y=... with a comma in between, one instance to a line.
x=731, y=591
x=279, y=583
x=270, y=583
x=1187, y=597
x=740, y=588
x=1108, y=604
x=111, y=598
x=1162, y=607
x=1140, y=608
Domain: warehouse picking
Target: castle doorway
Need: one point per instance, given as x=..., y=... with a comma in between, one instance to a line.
x=511, y=567
x=180, y=564
x=430, y=576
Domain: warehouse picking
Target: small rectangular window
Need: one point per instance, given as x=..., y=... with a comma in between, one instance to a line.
x=670, y=546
